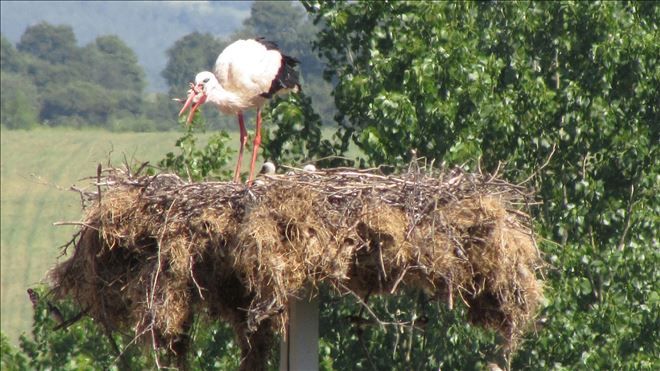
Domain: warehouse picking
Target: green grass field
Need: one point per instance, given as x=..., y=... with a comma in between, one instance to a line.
x=38, y=167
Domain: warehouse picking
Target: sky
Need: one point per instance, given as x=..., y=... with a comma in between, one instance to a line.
x=148, y=27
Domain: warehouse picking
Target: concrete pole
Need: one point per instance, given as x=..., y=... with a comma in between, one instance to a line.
x=299, y=350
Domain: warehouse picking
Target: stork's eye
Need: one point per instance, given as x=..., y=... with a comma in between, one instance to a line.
x=206, y=80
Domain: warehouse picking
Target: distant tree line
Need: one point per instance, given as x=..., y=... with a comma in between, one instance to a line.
x=48, y=80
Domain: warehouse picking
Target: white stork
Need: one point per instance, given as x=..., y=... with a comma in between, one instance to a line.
x=246, y=74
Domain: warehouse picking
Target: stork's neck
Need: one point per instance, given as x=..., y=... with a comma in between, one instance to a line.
x=222, y=98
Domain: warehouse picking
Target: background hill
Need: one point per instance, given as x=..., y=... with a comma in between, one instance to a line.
x=149, y=28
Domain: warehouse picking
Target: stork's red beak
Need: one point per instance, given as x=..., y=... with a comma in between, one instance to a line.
x=197, y=96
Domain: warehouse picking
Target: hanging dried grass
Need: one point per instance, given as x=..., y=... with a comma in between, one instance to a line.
x=155, y=250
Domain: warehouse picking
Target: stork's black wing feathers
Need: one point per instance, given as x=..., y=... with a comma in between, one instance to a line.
x=287, y=77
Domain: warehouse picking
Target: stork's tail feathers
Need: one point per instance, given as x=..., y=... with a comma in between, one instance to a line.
x=288, y=74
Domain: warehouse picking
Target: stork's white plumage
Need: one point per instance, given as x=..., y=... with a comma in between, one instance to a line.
x=246, y=74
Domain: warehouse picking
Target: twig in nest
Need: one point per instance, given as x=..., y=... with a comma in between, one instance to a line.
x=368, y=354
x=72, y=241
x=160, y=244
x=626, y=223
x=66, y=324
x=382, y=264
x=365, y=305
x=398, y=280
x=73, y=223
x=81, y=193
x=98, y=181
x=135, y=338
x=139, y=170
x=192, y=274
x=547, y=161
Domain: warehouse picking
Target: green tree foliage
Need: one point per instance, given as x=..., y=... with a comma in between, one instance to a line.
x=55, y=44
x=196, y=163
x=85, y=99
x=100, y=84
x=161, y=110
x=18, y=108
x=296, y=136
x=12, y=359
x=115, y=65
x=73, y=346
x=10, y=58
x=149, y=28
x=81, y=344
x=517, y=82
x=48, y=75
x=439, y=339
x=189, y=55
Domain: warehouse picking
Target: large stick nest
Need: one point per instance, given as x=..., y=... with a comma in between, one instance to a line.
x=153, y=251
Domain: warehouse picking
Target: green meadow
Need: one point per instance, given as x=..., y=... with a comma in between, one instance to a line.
x=38, y=167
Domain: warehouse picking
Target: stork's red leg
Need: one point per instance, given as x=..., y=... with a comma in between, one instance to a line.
x=237, y=172
x=255, y=148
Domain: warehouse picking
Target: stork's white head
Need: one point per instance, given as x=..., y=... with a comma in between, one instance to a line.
x=206, y=81
x=198, y=92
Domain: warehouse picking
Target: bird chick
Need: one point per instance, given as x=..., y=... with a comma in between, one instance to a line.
x=309, y=168
x=267, y=168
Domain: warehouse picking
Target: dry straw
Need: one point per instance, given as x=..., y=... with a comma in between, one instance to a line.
x=154, y=251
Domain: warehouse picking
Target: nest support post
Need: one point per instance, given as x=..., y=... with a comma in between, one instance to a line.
x=299, y=349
